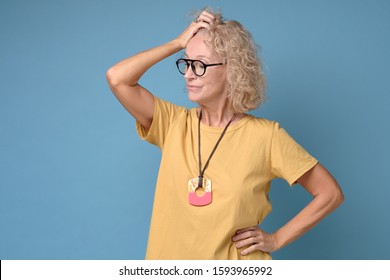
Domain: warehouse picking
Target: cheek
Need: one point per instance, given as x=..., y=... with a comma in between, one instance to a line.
x=217, y=77
x=218, y=83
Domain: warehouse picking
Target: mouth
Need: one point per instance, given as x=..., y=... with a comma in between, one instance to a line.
x=193, y=88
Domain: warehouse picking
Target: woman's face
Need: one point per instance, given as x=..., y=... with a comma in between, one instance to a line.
x=209, y=89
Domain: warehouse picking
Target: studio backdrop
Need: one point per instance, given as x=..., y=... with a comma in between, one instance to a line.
x=76, y=182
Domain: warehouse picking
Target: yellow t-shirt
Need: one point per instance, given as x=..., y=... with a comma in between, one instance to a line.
x=252, y=153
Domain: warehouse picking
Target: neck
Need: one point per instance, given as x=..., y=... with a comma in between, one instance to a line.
x=216, y=117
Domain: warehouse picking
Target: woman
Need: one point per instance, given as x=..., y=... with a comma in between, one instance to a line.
x=218, y=161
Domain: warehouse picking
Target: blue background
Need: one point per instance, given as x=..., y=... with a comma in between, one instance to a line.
x=77, y=183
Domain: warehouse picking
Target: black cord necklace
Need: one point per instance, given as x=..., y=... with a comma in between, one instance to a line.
x=200, y=181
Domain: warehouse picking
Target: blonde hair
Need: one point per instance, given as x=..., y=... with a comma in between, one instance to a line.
x=246, y=80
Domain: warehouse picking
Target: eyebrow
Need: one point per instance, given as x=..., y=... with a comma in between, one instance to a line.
x=198, y=57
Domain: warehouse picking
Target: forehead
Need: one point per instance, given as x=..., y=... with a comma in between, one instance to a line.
x=198, y=47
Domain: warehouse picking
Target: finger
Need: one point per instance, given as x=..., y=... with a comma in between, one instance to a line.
x=206, y=13
x=245, y=235
x=249, y=250
x=201, y=25
x=252, y=228
x=205, y=17
x=247, y=242
x=192, y=30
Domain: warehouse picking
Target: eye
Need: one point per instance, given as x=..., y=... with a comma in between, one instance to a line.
x=198, y=65
x=182, y=66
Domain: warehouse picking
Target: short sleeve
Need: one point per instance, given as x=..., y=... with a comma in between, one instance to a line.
x=289, y=160
x=164, y=114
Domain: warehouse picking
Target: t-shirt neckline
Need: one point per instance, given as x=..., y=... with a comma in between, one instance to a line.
x=231, y=128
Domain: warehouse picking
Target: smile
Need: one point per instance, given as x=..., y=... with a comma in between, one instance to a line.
x=191, y=87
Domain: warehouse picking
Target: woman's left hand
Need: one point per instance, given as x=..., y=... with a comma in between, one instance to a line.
x=255, y=239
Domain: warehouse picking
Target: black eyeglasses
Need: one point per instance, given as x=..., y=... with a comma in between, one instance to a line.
x=197, y=66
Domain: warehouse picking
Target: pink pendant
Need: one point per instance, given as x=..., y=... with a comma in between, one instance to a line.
x=201, y=200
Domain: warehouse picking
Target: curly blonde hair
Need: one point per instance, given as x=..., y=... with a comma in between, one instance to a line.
x=246, y=80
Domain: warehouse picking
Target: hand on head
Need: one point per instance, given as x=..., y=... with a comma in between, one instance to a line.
x=204, y=20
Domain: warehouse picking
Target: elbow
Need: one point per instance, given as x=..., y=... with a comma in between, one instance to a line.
x=331, y=196
x=337, y=197
x=112, y=78
x=340, y=198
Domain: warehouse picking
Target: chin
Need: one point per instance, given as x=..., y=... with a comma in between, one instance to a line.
x=193, y=97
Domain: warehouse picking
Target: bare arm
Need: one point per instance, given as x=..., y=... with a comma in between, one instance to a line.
x=123, y=80
x=124, y=76
x=327, y=196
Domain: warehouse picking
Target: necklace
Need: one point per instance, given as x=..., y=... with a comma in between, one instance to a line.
x=201, y=181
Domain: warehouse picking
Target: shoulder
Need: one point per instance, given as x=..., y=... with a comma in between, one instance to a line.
x=270, y=129
x=264, y=124
x=166, y=105
x=168, y=110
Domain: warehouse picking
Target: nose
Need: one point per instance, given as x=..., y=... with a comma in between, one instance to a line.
x=190, y=73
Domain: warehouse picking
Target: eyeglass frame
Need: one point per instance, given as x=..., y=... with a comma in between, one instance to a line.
x=191, y=61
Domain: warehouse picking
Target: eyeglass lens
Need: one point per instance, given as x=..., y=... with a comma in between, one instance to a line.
x=197, y=66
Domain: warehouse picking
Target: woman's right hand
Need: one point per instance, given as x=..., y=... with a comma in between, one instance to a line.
x=204, y=20
x=123, y=77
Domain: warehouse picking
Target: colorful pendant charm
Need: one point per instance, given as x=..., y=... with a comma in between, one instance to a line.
x=203, y=185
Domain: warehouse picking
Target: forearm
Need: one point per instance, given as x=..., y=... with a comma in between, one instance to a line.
x=130, y=70
x=312, y=214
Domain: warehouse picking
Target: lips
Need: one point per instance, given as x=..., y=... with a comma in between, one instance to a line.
x=193, y=87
